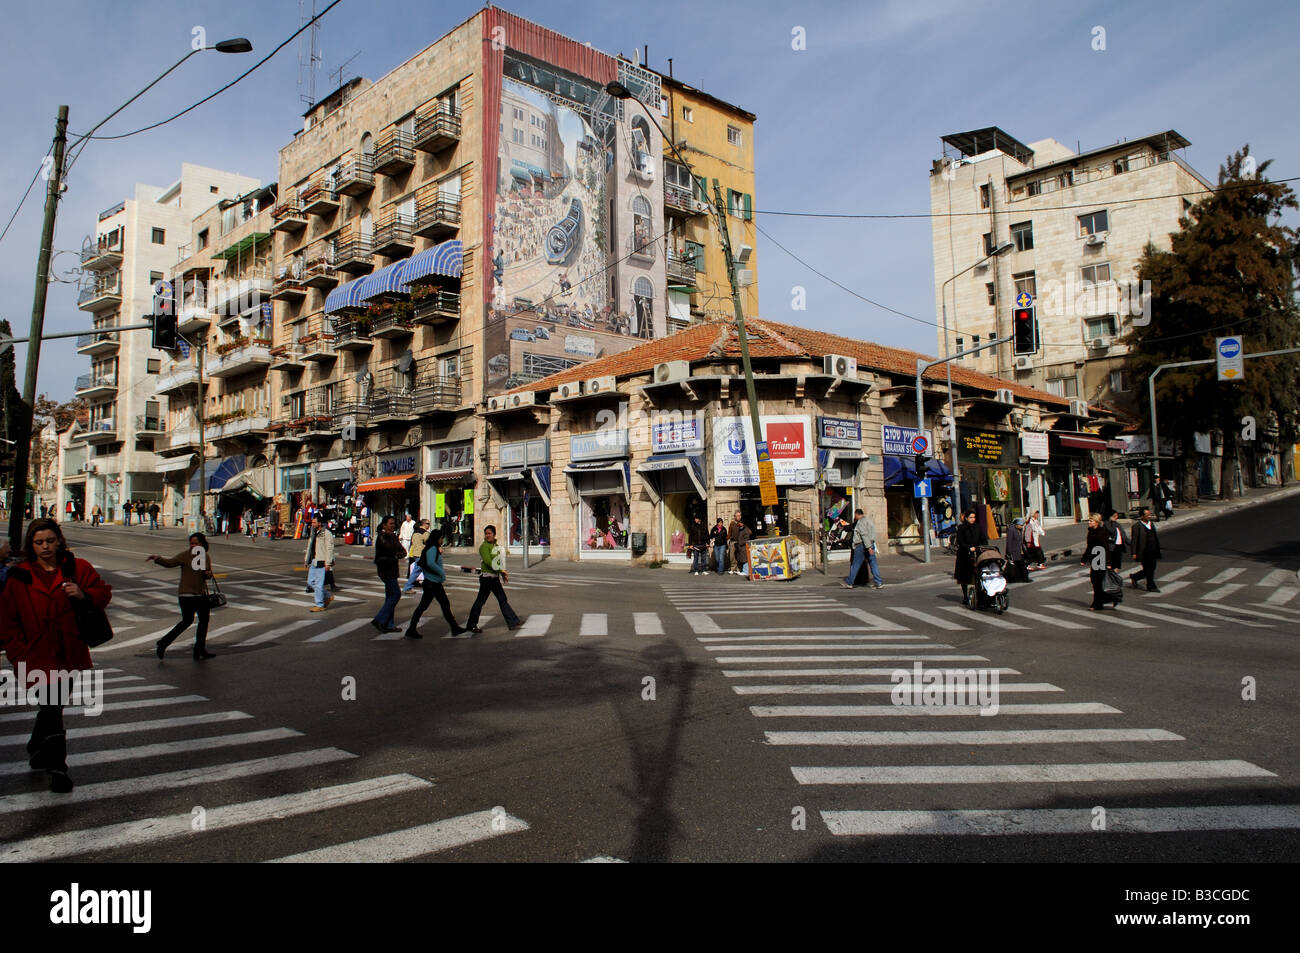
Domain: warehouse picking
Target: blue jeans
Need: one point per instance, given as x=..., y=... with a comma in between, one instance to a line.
x=720, y=557
x=861, y=553
x=316, y=579
x=392, y=595
x=699, y=562
x=410, y=578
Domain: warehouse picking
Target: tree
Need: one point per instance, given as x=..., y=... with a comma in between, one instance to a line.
x=1230, y=270
x=11, y=403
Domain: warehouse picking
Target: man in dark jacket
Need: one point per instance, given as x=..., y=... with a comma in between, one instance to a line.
x=1146, y=550
x=1116, y=542
x=733, y=541
x=698, y=538
x=388, y=554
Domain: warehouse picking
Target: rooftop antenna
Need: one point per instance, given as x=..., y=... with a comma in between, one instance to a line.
x=338, y=73
x=308, y=66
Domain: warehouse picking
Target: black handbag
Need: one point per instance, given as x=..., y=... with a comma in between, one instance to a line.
x=1113, y=586
x=216, y=598
x=92, y=623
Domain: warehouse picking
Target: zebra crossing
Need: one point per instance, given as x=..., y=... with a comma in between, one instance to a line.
x=839, y=752
x=125, y=753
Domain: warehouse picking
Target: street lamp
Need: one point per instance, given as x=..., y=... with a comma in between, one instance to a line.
x=943, y=296
x=619, y=91
x=52, y=194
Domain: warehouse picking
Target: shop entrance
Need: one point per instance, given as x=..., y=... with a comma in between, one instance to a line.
x=753, y=512
x=453, y=513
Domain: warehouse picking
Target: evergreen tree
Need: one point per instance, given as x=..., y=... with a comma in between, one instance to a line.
x=1230, y=270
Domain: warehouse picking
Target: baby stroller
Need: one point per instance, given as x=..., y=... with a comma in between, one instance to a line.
x=990, y=588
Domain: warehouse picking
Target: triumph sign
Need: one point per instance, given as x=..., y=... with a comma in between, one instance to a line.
x=789, y=444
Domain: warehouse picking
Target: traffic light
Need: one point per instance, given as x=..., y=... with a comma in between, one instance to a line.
x=165, y=332
x=1025, y=329
x=921, y=463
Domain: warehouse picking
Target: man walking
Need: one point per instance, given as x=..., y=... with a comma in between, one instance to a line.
x=127, y=510
x=864, y=548
x=733, y=541
x=1146, y=550
x=96, y=516
x=319, y=558
x=154, y=510
x=1117, y=542
x=492, y=574
x=698, y=540
x=406, y=532
x=388, y=553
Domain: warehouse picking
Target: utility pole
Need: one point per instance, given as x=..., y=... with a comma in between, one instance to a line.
x=23, y=432
x=203, y=453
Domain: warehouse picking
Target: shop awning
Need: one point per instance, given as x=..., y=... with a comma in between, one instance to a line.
x=446, y=259
x=622, y=467
x=385, y=483
x=899, y=470
x=175, y=466
x=334, y=469
x=1081, y=441
x=345, y=297
x=256, y=482
x=691, y=463
x=387, y=280
x=218, y=473
x=449, y=476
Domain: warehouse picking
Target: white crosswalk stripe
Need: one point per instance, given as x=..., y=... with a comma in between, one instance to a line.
x=856, y=657
x=1067, y=584
x=157, y=724
x=1161, y=617
x=1030, y=773
x=1040, y=736
x=875, y=689
x=416, y=841
x=1119, y=820
x=998, y=622
x=1048, y=620
x=111, y=755
x=1224, y=576
x=1283, y=596
x=647, y=623
x=1169, y=588
x=1178, y=573
x=535, y=626
x=1173, y=610
x=1222, y=592
x=594, y=623
x=928, y=619
x=832, y=672
x=1111, y=618
x=277, y=632
x=1277, y=577
x=907, y=711
x=339, y=629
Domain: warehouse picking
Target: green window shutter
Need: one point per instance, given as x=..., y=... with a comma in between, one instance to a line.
x=704, y=189
x=731, y=202
x=749, y=206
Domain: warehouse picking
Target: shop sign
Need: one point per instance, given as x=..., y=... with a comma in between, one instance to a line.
x=1034, y=446
x=897, y=441
x=525, y=453
x=984, y=447
x=397, y=463
x=600, y=445
x=574, y=344
x=839, y=432
x=788, y=443
x=683, y=434
x=452, y=456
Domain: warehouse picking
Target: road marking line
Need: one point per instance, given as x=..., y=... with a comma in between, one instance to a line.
x=1119, y=820
x=149, y=783
x=535, y=626
x=594, y=623
x=1172, y=587
x=859, y=657
x=138, y=640
x=277, y=632
x=878, y=689
x=1111, y=619
x=1223, y=592
x=810, y=638
x=816, y=648
x=1039, y=736
x=1031, y=773
x=1130, y=610
x=647, y=623
x=929, y=619
x=1255, y=612
x=157, y=724
x=163, y=749
x=900, y=711
x=415, y=841
x=1180, y=571
x=1276, y=577
x=996, y=621
x=342, y=628
x=155, y=829
x=1049, y=620
x=1225, y=576
x=1283, y=596
x=797, y=672
x=1057, y=587
x=1209, y=615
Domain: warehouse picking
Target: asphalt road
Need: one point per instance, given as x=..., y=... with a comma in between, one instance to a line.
x=650, y=715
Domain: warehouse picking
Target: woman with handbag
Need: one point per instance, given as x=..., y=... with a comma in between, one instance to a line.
x=41, y=627
x=430, y=563
x=1096, y=550
x=192, y=593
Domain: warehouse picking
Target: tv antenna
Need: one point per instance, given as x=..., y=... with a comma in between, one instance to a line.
x=339, y=73
x=309, y=63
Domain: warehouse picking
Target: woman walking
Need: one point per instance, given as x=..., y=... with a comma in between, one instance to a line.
x=430, y=562
x=38, y=628
x=1097, y=549
x=419, y=538
x=719, y=538
x=970, y=536
x=191, y=593
x=1034, y=537
x=388, y=555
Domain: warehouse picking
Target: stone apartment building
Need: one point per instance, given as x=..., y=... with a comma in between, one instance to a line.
x=1077, y=223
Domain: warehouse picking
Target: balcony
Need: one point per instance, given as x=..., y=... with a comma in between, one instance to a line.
x=318, y=199
x=356, y=176
x=681, y=270
x=284, y=430
x=288, y=357
x=641, y=247
x=355, y=256
x=103, y=255
x=101, y=431
x=318, y=419
x=288, y=217
x=288, y=287
x=97, y=342
x=318, y=342
x=392, y=408
x=394, y=236
x=352, y=336
x=239, y=357
x=90, y=385
x=437, y=129
x=354, y=414
x=392, y=326
x=101, y=294
x=438, y=217
x=179, y=442
x=147, y=427
x=320, y=273
x=434, y=394
x=437, y=307
x=194, y=315
x=233, y=296
x=247, y=426
x=177, y=378
x=394, y=153
x=682, y=202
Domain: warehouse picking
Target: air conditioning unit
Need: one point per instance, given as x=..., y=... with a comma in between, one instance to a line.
x=839, y=365
x=1079, y=408
x=743, y=254
x=1095, y=240
x=601, y=385
x=571, y=389
x=511, y=401
x=1024, y=363
x=1004, y=396
x=744, y=277
x=672, y=371
x=1100, y=343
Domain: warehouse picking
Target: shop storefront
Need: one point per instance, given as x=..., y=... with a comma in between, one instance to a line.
x=991, y=479
x=674, y=479
x=839, y=458
x=394, y=491
x=294, y=495
x=334, y=482
x=600, y=477
x=174, y=473
x=1073, y=485
x=902, y=505
x=450, y=480
x=1034, y=453
x=794, y=465
x=243, y=497
x=522, y=487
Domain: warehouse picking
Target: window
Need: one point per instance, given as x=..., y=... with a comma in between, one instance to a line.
x=153, y=365
x=203, y=238
x=695, y=251
x=1101, y=326
x=740, y=204
x=1025, y=281
x=676, y=174
x=961, y=346
x=988, y=243
x=992, y=293
x=212, y=189
x=449, y=366
x=297, y=406
x=1121, y=165
x=974, y=341
x=1119, y=381
x=1035, y=188
x=159, y=236
x=1094, y=274
x=1023, y=235
x=517, y=135
x=1063, y=386
x=688, y=114
x=985, y=195
x=1093, y=222
x=733, y=136
x=1066, y=178
x=155, y=277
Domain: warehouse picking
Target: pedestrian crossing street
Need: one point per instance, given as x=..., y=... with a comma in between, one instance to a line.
x=818, y=670
x=153, y=740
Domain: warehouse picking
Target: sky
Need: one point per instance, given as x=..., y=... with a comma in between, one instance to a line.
x=849, y=123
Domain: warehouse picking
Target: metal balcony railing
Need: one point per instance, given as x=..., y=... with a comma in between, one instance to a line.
x=100, y=289
x=439, y=213
x=116, y=247
x=394, y=153
x=437, y=129
x=395, y=232
x=147, y=424
x=356, y=175
x=442, y=305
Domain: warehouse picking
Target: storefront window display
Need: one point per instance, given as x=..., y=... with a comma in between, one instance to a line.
x=603, y=522
x=1058, y=493
x=538, y=522
x=453, y=513
x=837, y=504
x=680, y=510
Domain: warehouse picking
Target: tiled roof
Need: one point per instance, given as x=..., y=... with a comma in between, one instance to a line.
x=768, y=339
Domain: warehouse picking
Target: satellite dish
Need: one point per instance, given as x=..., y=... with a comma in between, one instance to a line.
x=363, y=376
x=406, y=363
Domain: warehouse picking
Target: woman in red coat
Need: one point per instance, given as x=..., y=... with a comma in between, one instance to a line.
x=38, y=627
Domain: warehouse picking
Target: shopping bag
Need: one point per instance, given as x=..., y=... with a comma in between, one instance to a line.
x=1113, y=586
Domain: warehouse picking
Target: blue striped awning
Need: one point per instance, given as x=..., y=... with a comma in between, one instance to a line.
x=446, y=259
x=344, y=297
x=387, y=280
